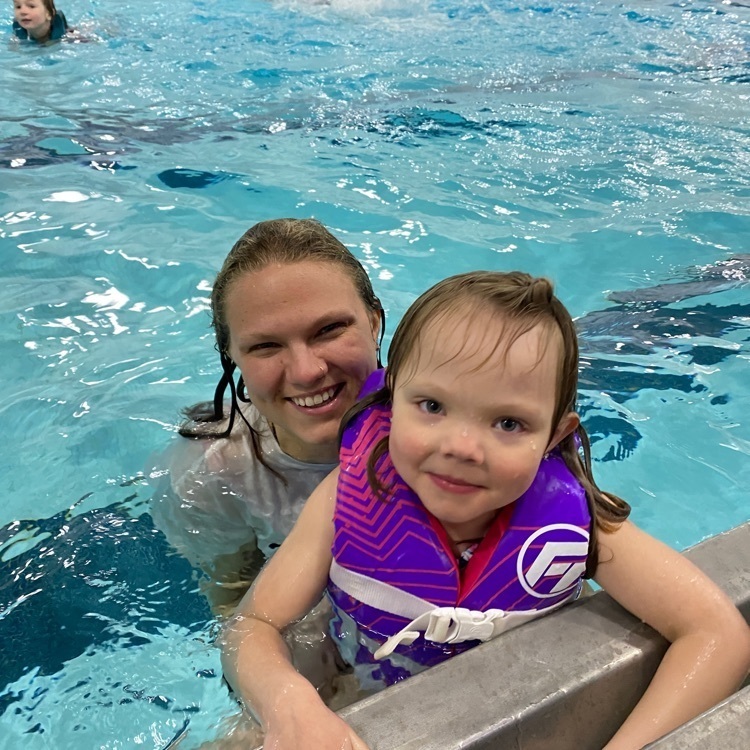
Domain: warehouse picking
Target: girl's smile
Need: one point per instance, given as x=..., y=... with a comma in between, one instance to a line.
x=451, y=484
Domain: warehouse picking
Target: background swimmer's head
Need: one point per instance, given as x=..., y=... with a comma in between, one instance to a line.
x=521, y=301
x=285, y=241
x=48, y=5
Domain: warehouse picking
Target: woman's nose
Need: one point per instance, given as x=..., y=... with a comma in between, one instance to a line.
x=304, y=366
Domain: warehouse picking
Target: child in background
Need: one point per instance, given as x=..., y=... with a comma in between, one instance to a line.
x=463, y=505
x=38, y=21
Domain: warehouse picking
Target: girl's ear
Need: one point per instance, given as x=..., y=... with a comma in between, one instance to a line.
x=565, y=427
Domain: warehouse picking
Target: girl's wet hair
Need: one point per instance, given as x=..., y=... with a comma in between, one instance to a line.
x=49, y=6
x=523, y=302
x=277, y=241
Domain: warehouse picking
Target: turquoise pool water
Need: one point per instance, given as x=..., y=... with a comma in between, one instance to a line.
x=604, y=144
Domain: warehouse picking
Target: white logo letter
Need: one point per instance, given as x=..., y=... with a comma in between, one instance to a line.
x=546, y=564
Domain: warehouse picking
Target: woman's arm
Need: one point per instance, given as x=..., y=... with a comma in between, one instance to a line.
x=254, y=656
x=709, y=655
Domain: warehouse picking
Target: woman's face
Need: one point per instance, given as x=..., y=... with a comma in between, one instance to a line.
x=304, y=342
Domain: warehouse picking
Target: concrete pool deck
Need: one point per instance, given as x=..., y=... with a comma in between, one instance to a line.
x=564, y=682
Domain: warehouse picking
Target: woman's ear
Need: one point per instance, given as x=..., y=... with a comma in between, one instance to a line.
x=375, y=317
x=565, y=427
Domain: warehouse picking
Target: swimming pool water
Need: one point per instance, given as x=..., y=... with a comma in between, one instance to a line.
x=604, y=144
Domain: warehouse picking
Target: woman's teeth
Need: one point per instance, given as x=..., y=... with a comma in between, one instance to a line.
x=316, y=400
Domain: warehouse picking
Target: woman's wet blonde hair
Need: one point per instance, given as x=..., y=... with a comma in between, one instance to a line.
x=523, y=302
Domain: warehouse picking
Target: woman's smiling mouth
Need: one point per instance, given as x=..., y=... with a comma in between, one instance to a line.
x=318, y=399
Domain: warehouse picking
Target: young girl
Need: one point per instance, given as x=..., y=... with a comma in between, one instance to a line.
x=38, y=21
x=463, y=505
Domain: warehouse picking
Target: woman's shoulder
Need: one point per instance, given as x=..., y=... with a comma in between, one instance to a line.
x=212, y=450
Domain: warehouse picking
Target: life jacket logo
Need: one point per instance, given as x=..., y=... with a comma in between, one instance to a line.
x=552, y=560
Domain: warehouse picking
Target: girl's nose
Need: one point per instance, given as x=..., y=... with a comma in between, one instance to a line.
x=463, y=443
x=304, y=366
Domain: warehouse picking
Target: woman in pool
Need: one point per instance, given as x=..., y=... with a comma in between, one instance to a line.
x=294, y=311
x=38, y=20
x=465, y=505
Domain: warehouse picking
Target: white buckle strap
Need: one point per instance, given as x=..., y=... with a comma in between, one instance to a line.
x=378, y=594
x=457, y=624
x=439, y=624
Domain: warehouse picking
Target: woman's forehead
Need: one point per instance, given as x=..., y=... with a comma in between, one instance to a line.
x=308, y=290
x=290, y=269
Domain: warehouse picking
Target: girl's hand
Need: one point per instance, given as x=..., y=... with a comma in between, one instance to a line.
x=313, y=727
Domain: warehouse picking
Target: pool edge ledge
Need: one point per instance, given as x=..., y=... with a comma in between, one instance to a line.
x=726, y=726
x=564, y=681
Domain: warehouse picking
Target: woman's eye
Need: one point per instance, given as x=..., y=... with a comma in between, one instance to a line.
x=331, y=328
x=265, y=347
x=428, y=406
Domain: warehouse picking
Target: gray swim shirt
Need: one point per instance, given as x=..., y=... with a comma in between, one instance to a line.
x=213, y=496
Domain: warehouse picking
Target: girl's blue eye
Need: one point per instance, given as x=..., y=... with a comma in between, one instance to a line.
x=429, y=406
x=508, y=425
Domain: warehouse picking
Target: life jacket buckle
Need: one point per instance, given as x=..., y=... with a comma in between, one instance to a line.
x=458, y=624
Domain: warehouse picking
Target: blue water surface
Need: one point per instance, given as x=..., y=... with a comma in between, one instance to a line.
x=604, y=144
